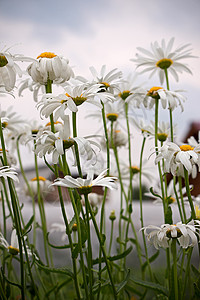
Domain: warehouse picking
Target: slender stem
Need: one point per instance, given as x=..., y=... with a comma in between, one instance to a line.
x=177, y=199
x=30, y=192
x=181, y=194
x=102, y=249
x=89, y=257
x=111, y=237
x=187, y=185
x=175, y=281
x=170, y=110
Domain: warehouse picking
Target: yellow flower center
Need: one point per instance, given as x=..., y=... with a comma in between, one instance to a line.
x=186, y=148
x=135, y=170
x=55, y=123
x=107, y=85
x=153, y=92
x=47, y=55
x=162, y=136
x=197, y=210
x=3, y=61
x=4, y=124
x=168, y=232
x=68, y=143
x=84, y=190
x=124, y=94
x=171, y=200
x=40, y=178
x=13, y=251
x=112, y=116
x=78, y=100
x=164, y=63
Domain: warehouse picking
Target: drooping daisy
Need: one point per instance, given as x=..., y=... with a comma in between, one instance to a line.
x=13, y=247
x=94, y=199
x=168, y=99
x=163, y=133
x=142, y=125
x=9, y=69
x=176, y=157
x=163, y=57
x=84, y=186
x=186, y=234
x=32, y=86
x=50, y=66
x=10, y=120
x=108, y=82
x=11, y=160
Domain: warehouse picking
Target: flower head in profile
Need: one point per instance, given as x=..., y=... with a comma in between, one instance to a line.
x=9, y=69
x=74, y=96
x=186, y=234
x=179, y=157
x=60, y=142
x=43, y=184
x=7, y=172
x=108, y=81
x=50, y=66
x=168, y=99
x=156, y=194
x=163, y=57
x=13, y=247
x=84, y=186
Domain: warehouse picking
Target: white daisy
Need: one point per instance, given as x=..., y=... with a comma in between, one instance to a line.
x=176, y=157
x=85, y=185
x=9, y=69
x=7, y=172
x=120, y=139
x=168, y=99
x=171, y=196
x=13, y=247
x=34, y=87
x=43, y=183
x=162, y=57
x=11, y=121
x=50, y=66
x=186, y=234
x=94, y=199
x=60, y=142
x=108, y=81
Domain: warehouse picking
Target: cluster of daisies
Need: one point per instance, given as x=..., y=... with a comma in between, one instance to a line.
x=112, y=93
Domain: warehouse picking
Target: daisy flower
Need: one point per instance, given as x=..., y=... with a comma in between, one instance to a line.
x=94, y=199
x=141, y=125
x=84, y=186
x=34, y=87
x=163, y=57
x=50, y=66
x=119, y=139
x=7, y=172
x=176, y=157
x=9, y=69
x=164, y=131
x=127, y=90
x=60, y=142
x=43, y=183
x=13, y=247
x=108, y=81
x=171, y=196
x=168, y=99
x=186, y=234
x=11, y=121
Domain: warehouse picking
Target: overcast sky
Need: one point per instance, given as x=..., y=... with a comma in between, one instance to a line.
x=94, y=33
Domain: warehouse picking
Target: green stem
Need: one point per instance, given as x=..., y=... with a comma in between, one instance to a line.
x=170, y=110
x=102, y=249
x=111, y=237
x=175, y=281
x=177, y=199
x=187, y=185
x=181, y=194
x=30, y=192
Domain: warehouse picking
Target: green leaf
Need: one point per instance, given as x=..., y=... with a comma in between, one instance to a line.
x=65, y=271
x=122, y=284
x=150, y=285
x=115, y=257
x=151, y=259
x=156, y=195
